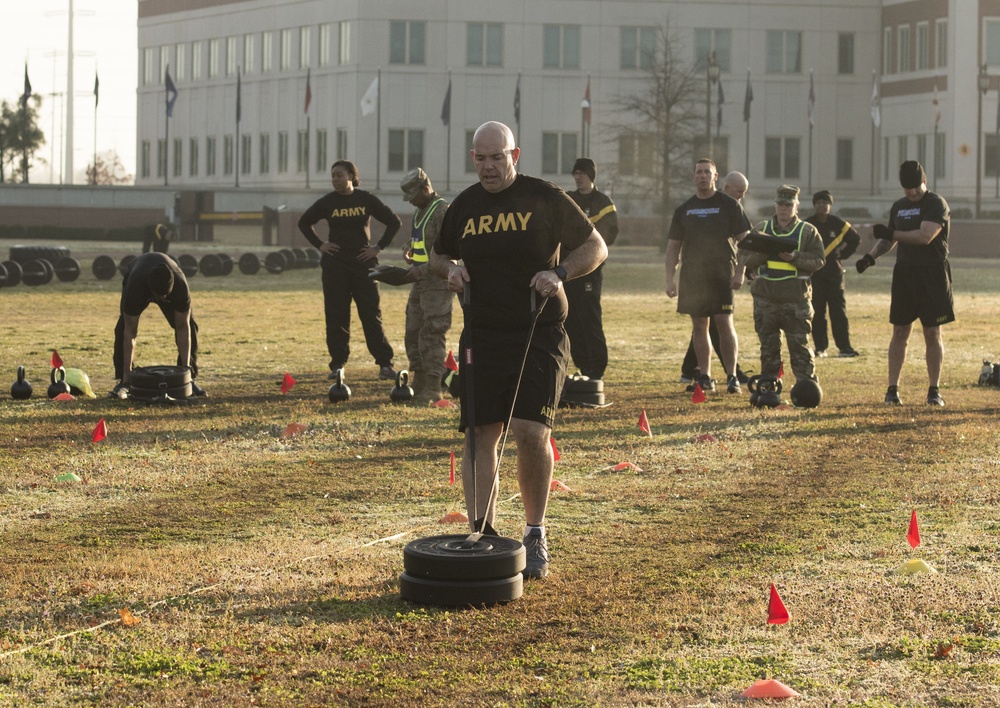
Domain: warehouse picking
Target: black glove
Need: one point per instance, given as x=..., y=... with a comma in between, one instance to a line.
x=883, y=232
x=864, y=263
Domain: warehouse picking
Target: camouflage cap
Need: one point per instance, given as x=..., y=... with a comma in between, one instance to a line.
x=412, y=182
x=787, y=194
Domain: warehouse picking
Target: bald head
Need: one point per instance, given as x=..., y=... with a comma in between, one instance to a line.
x=736, y=185
x=495, y=156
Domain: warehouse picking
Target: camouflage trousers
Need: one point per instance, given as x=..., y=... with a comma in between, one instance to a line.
x=770, y=319
x=428, y=319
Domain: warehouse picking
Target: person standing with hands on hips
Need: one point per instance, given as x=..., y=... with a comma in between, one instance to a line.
x=347, y=256
x=584, y=325
x=921, y=279
x=508, y=231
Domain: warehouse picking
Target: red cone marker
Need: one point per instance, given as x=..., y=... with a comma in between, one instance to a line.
x=555, y=450
x=913, y=535
x=287, y=383
x=100, y=431
x=644, y=423
x=776, y=612
x=699, y=395
x=450, y=362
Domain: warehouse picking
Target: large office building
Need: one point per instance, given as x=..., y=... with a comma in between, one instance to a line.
x=842, y=90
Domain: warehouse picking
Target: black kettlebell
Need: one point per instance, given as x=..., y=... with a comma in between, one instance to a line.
x=769, y=393
x=20, y=390
x=58, y=385
x=339, y=391
x=401, y=392
x=753, y=385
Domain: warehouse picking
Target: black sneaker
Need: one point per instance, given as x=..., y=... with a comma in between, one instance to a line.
x=892, y=397
x=934, y=398
x=849, y=353
x=733, y=385
x=536, y=556
x=387, y=373
x=706, y=382
x=197, y=390
x=120, y=391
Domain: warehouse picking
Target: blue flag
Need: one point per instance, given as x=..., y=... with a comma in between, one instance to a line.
x=171, y=94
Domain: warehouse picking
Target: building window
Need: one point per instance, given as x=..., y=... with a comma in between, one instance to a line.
x=922, y=149
x=324, y=45
x=245, y=152
x=558, y=153
x=638, y=47
x=302, y=152
x=282, y=152
x=161, y=158
x=782, y=157
x=484, y=44
x=196, y=61
x=341, y=144
x=633, y=154
x=320, y=150
x=406, y=42
x=888, y=62
x=248, y=55
x=406, y=149
x=232, y=55
x=344, y=40
x=305, y=47
x=209, y=157
x=193, y=157
x=165, y=60
x=266, y=52
x=923, y=48
x=845, y=158
x=180, y=62
x=719, y=41
x=264, y=141
x=149, y=67
x=228, y=162
x=178, y=157
x=941, y=45
x=992, y=48
x=213, y=58
x=904, y=48
x=561, y=46
x=845, y=53
x=939, y=154
x=144, y=159
x=901, y=145
x=784, y=52
x=285, y=50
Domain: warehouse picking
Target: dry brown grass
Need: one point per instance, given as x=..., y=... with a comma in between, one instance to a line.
x=264, y=569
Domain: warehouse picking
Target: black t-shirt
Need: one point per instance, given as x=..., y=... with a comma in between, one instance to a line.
x=601, y=211
x=829, y=230
x=907, y=216
x=135, y=292
x=348, y=217
x=504, y=239
x=705, y=228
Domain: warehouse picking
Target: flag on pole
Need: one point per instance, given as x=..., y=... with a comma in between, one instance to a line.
x=718, y=121
x=369, y=102
x=913, y=533
x=446, y=106
x=171, y=94
x=776, y=611
x=586, y=103
x=27, y=87
x=811, y=107
x=239, y=96
x=97, y=87
x=517, y=100
x=876, y=109
x=644, y=423
x=309, y=92
x=747, y=100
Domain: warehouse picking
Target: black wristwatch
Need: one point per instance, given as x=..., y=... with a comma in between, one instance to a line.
x=561, y=272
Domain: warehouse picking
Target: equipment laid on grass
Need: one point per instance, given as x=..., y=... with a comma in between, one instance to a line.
x=339, y=391
x=21, y=389
x=249, y=264
x=765, y=392
x=584, y=392
x=14, y=272
x=806, y=394
x=103, y=267
x=125, y=264
x=37, y=272
x=168, y=383
x=58, y=384
x=401, y=392
x=67, y=269
x=79, y=383
x=990, y=374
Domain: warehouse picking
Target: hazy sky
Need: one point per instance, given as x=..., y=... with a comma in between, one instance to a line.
x=104, y=41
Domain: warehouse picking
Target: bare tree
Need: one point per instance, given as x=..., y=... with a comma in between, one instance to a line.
x=109, y=170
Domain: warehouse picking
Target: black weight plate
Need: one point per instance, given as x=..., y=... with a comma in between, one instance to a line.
x=210, y=265
x=454, y=593
x=227, y=263
x=125, y=264
x=301, y=257
x=583, y=385
x=36, y=272
x=3, y=275
x=67, y=269
x=184, y=391
x=14, y=273
x=153, y=376
x=314, y=257
x=443, y=557
x=103, y=267
x=290, y=261
x=275, y=262
x=188, y=264
x=585, y=399
x=249, y=264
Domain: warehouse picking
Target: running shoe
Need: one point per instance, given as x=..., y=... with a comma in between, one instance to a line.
x=892, y=397
x=120, y=391
x=707, y=383
x=934, y=398
x=536, y=555
x=733, y=385
x=849, y=353
x=821, y=354
x=685, y=379
x=197, y=390
x=387, y=373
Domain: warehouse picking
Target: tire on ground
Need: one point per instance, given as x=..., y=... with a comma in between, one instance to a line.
x=23, y=254
x=444, y=558
x=453, y=593
x=227, y=263
x=125, y=264
x=150, y=377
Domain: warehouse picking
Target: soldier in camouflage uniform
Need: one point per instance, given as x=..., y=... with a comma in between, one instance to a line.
x=782, y=292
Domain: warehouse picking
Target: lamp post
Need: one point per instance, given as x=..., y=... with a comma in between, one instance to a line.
x=984, y=84
x=713, y=76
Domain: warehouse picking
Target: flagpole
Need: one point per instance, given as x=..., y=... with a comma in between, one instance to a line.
x=747, y=99
x=308, y=148
x=517, y=117
x=874, y=104
x=96, y=84
x=166, y=138
x=447, y=158
x=812, y=111
x=236, y=167
x=378, y=128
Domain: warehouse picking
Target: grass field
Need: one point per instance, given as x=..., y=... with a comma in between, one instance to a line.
x=262, y=569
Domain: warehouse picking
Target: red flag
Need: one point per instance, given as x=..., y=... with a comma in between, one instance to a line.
x=644, y=423
x=699, y=394
x=555, y=450
x=56, y=359
x=309, y=93
x=450, y=362
x=585, y=104
x=287, y=383
x=776, y=612
x=913, y=535
x=451, y=477
x=100, y=431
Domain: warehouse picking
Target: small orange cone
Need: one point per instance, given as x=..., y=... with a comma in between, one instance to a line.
x=769, y=688
x=442, y=403
x=286, y=383
x=100, y=431
x=913, y=535
x=776, y=612
x=644, y=423
x=557, y=486
x=293, y=429
x=454, y=517
x=699, y=394
x=555, y=450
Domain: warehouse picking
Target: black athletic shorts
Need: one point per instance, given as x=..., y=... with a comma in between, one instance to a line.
x=922, y=292
x=496, y=361
x=705, y=291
